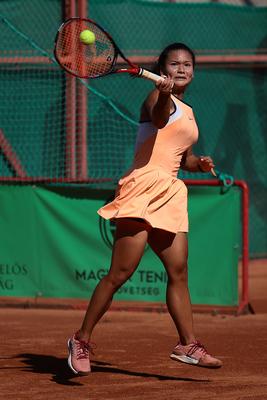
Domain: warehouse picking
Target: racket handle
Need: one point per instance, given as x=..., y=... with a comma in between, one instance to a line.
x=143, y=73
x=213, y=172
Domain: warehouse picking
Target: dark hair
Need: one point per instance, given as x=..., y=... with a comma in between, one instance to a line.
x=164, y=54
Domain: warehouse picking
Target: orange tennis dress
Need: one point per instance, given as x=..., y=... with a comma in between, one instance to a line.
x=150, y=189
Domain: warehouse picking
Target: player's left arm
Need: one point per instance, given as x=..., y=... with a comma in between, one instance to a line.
x=191, y=162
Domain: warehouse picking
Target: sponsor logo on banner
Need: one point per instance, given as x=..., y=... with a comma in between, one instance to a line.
x=146, y=282
x=8, y=271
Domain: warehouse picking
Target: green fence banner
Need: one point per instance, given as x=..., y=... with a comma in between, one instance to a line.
x=54, y=244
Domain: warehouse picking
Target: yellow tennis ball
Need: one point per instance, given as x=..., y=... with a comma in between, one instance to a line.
x=87, y=37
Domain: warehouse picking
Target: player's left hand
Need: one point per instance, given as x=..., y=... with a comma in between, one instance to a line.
x=205, y=163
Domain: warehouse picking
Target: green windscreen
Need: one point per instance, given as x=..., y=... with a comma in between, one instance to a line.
x=56, y=245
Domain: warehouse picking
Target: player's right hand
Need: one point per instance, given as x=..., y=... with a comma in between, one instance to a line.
x=165, y=85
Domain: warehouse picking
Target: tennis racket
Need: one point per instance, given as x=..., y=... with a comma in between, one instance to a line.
x=92, y=60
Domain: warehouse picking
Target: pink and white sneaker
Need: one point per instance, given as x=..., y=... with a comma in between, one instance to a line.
x=195, y=354
x=79, y=360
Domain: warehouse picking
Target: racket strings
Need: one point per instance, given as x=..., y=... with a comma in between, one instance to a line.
x=86, y=61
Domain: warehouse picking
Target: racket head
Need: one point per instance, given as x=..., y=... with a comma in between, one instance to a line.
x=81, y=60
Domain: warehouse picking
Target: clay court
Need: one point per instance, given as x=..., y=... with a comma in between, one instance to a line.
x=131, y=359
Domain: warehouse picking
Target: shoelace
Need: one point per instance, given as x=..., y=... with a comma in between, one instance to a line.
x=197, y=346
x=83, y=349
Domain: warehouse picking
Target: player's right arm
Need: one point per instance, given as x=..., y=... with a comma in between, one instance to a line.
x=158, y=105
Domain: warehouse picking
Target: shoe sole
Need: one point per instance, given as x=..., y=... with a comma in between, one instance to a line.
x=184, y=359
x=69, y=359
x=191, y=361
x=70, y=363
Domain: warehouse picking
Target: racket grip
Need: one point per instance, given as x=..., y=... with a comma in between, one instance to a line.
x=143, y=73
x=213, y=172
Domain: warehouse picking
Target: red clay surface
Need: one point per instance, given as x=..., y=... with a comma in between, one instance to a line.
x=131, y=360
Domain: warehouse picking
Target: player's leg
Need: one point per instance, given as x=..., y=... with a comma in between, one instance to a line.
x=173, y=252
x=129, y=244
x=130, y=241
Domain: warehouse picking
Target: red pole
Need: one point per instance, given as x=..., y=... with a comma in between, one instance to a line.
x=244, y=305
x=82, y=167
x=11, y=156
x=70, y=169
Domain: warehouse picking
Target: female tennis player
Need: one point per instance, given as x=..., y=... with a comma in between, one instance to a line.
x=150, y=206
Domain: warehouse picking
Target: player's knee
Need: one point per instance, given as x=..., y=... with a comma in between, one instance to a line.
x=117, y=279
x=178, y=272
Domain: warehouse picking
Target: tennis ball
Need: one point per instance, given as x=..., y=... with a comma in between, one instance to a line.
x=87, y=37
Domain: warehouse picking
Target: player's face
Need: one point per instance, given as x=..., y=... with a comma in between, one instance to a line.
x=179, y=67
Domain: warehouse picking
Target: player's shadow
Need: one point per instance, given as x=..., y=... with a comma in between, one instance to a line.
x=102, y=367
x=46, y=364
x=61, y=374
